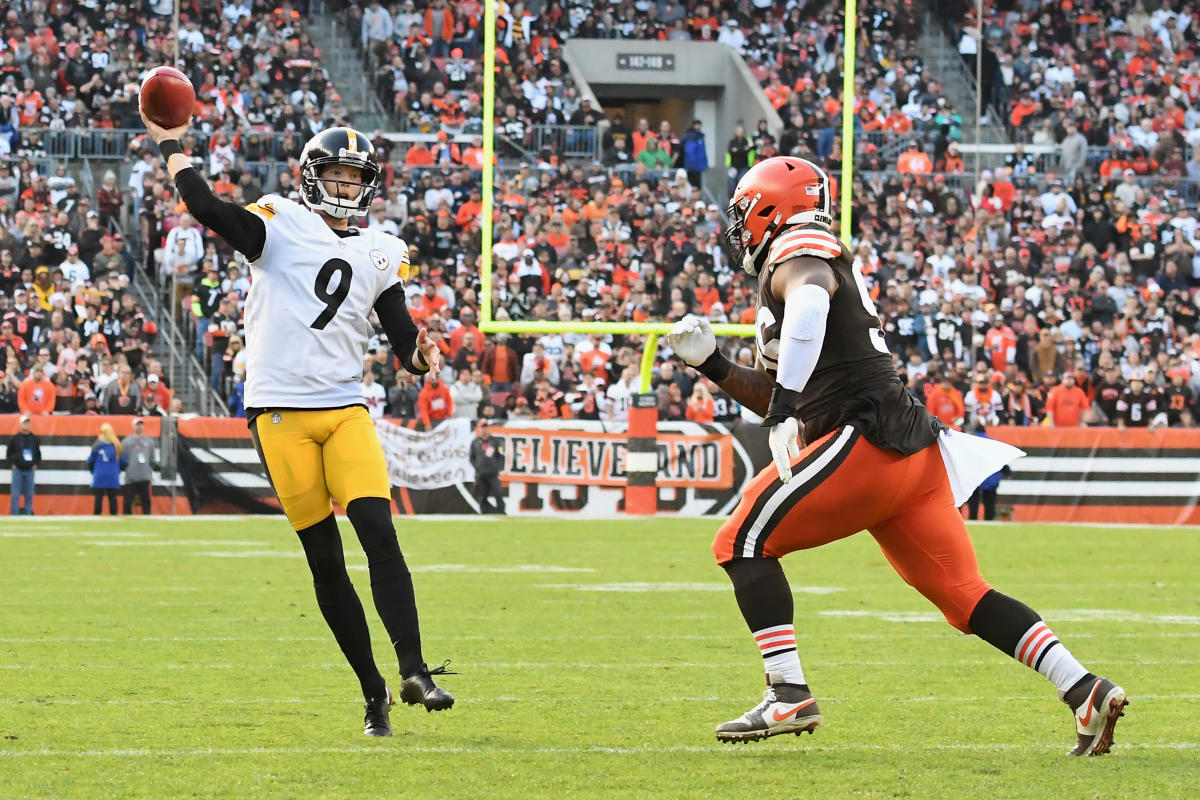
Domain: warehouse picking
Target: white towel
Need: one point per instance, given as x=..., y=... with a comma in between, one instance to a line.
x=971, y=459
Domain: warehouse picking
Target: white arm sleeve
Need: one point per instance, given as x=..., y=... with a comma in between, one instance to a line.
x=801, y=335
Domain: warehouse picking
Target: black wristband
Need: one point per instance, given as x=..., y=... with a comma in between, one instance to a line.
x=413, y=364
x=169, y=147
x=784, y=403
x=716, y=367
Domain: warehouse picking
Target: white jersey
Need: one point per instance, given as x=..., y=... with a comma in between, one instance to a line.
x=306, y=314
x=619, y=396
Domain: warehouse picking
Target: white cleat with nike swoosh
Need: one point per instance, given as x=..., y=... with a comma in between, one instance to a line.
x=785, y=708
x=1096, y=718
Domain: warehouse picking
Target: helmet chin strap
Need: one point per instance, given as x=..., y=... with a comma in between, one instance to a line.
x=333, y=206
x=750, y=259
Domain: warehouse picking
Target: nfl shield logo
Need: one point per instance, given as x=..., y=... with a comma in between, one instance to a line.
x=276, y=418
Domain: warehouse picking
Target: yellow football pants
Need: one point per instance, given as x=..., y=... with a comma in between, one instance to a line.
x=312, y=456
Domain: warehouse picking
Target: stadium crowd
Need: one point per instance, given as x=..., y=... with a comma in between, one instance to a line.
x=1005, y=299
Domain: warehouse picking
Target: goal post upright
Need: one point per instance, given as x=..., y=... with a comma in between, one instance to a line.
x=651, y=330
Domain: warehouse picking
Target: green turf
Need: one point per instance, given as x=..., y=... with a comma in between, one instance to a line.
x=141, y=660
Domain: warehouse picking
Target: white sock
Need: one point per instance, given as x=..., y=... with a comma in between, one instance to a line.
x=1039, y=649
x=780, y=659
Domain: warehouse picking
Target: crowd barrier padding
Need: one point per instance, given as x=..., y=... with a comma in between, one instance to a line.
x=1092, y=475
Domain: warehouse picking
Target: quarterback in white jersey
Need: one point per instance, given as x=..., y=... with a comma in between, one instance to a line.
x=316, y=279
x=311, y=294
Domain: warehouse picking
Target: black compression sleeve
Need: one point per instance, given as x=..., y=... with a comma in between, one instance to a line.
x=392, y=308
x=244, y=230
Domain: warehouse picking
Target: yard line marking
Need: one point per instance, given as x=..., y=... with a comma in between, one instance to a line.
x=637, y=586
x=69, y=534
x=663, y=665
x=1055, y=615
x=42, y=519
x=715, y=749
x=41, y=702
x=181, y=543
x=467, y=568
x=155, y=639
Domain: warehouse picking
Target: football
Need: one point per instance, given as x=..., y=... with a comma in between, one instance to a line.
x=167, y=97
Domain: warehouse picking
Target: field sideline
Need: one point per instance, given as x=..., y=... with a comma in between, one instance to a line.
x=164, y=658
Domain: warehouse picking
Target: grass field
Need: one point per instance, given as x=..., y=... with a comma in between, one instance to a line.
x=163, y=659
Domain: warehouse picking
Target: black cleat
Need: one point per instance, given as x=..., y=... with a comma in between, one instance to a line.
x=420, y=688
x=376, y=721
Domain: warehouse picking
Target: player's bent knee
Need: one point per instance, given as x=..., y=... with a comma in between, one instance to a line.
x=323, y=550
x=959, y=603
x=372, y=521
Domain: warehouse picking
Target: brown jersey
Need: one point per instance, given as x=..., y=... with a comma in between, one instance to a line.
x=854, y=381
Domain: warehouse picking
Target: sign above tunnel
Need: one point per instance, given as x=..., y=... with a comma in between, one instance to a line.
x=654, y=62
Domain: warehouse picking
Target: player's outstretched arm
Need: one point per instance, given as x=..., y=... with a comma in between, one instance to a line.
x=417, y=353
x=750, y=387
x=245, y=231
x=692, y=341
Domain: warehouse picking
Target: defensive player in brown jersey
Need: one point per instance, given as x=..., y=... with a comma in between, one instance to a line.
x=876, y=460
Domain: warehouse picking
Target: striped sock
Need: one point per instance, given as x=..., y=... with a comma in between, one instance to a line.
x=1039, y=649
x=780, y=659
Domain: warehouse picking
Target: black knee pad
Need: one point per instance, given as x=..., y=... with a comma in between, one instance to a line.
x=372, y=521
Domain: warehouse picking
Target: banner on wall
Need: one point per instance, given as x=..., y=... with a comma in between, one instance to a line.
x=1100, y=475
x=427, y=459
x=597, y=458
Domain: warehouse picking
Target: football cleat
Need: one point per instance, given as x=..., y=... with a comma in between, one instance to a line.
x=785, y=708
x=1096, y=718
x=420, y=688
x=376, y=721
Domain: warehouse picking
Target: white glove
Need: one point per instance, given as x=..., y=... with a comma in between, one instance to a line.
x=692, y=339
x=785, y=446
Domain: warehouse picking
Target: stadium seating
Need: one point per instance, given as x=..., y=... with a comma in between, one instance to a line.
x=1076, y=255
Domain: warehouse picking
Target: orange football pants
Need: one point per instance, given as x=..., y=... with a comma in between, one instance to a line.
x=842, y=484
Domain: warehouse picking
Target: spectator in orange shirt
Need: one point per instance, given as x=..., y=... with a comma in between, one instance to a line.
x=468, y=328
x=914, y=161
x=951, y=161
x=36, y=394
x=469, y=213
x=430, y=303
x=500, y=364
x=706, y=293
x=1022, y=109
x=596, y=209
x=473, y=156
x=897, y=122
x=434, y=403
x=1001, y=344
x=946, y=403
x=777, y=94
x=595, y=359
x=700, y=406
x=1066, y=403
x=419, y=155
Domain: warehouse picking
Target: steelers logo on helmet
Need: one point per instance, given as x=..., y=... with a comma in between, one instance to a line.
x=775, y=193
x=339, y=146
